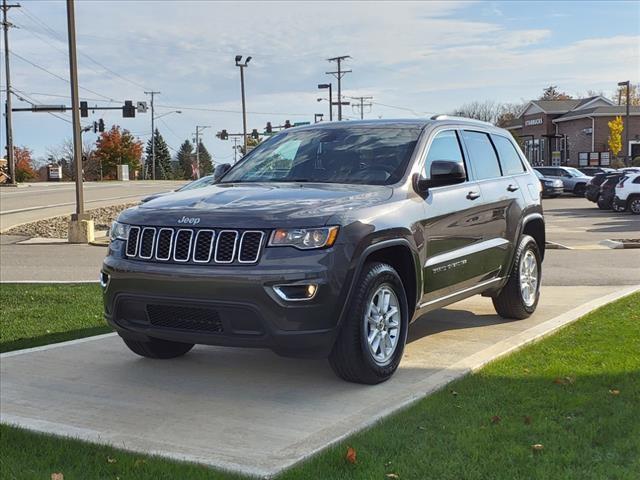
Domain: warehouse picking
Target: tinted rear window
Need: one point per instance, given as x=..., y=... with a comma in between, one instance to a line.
x=481, y=155
x=508, y=155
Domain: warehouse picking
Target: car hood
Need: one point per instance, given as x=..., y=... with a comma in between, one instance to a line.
x=259, y=205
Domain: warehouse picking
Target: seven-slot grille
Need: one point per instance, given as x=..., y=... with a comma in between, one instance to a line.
x=202, y=246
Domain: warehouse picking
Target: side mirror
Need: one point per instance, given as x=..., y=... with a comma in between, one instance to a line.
x=443, y=172
x=220, y=170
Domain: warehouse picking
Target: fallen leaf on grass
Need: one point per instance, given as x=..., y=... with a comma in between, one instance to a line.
x=527, y=420
x=57, y=476
x=537, y=447
x=454, y=393
x=392, y=475
x=111, y=460
x=614, y=391
x=140, y=461
x=420, y=427
x=564, y=381
x=495, y=419
x=351, y=455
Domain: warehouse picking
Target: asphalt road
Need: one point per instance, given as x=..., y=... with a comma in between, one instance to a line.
x=36, y=201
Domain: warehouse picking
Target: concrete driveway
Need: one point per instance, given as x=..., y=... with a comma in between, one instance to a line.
x=249, y=410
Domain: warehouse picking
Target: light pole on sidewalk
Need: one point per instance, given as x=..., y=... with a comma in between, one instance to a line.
x=627, y=125
x=242, y=66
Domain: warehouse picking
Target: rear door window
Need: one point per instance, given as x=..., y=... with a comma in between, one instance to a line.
x=482, y=155
x=508, y=155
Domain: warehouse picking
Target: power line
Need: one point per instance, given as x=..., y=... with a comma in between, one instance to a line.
x=55, y=35
x=218, y=110
x=60, y=77
x=25, y=98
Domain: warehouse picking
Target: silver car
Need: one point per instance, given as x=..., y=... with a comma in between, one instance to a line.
x=573, y=180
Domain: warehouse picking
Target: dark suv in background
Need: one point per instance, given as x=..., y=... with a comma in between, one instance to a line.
x=330, y=240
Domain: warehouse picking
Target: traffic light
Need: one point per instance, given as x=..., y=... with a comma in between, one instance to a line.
x=101, y=125
x=254, y=134
x=95, y=127
x=128, y=111
x=269, y=128
x=84, y=109
x=287, y=124
x=222, y=135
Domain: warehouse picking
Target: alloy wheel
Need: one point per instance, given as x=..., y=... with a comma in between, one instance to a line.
x=528, y=278
x=382, y=324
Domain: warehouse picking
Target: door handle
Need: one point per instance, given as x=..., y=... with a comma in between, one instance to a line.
x=512, y=188
x=473, y=195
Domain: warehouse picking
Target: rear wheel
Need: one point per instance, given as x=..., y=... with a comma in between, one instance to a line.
x=603, y=204
x=157, y=348
x=519, y=297
x=579, y=189
x=616, y=207
x=634, y=205
x=373, y=334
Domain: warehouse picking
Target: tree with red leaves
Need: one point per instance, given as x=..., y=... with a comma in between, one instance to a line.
x=118, y=147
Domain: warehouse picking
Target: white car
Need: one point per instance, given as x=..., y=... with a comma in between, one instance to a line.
x=628, y=193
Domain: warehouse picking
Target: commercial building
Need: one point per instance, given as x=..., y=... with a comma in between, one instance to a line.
x=573, y=132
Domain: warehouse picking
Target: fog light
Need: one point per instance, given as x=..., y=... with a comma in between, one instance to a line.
x=296, y=292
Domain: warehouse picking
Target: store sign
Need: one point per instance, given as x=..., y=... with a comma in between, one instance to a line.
x=583, y=159
x=556, y=158
x=594, y=158
x=605, y=158
x=532, y=122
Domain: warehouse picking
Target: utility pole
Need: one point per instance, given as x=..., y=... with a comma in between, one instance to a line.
x=361, y=105
x=339, y=74
x=199, y=128
x=235, y=150
x=627, y=158
x=5, y=26
x=75, y=109
x=153, y=136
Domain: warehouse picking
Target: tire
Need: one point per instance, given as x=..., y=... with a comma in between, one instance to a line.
x=618, y=208
x=511, y=301
x=580, y=189
x=633, y=205
x=157, y=348
x=352, y=357
x=603, y=204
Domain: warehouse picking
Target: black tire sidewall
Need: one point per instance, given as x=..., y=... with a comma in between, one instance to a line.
x=386, y=275
x=528, y=243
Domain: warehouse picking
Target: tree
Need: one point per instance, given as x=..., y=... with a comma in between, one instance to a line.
x=24, y=164
x=251, y=142
x=206, y=166
x=184, y=160
x=163, y=158
x=615, y=135
x=490, y=111
x=552, y=93
x=620, y=96
x=116, y=147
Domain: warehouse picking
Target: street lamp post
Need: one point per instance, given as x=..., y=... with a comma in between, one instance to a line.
x=627, y=158
x=242, y=66
x=322, y=86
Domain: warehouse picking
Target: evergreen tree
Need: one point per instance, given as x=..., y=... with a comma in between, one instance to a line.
x=184, y=160
x=206, y=166
x=163, y=158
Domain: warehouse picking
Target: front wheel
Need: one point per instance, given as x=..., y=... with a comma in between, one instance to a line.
x=519, y=297
x=634, y=205
x=373, y=334
x=603, y=204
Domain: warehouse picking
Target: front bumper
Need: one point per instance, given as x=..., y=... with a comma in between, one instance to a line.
x=236, y=303
x=552, y=191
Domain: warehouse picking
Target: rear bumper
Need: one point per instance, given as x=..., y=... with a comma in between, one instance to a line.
x=229, y=306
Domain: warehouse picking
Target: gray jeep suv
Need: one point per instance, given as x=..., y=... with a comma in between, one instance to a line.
x=329, y=240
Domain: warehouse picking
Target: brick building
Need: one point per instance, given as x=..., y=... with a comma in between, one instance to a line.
x=573, y=132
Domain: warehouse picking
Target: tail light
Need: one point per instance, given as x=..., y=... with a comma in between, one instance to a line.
x=621, y=184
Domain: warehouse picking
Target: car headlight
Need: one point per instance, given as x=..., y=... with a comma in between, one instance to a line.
x=304, y=238
x=118, y=231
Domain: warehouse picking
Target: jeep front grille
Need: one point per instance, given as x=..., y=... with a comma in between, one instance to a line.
x=200, y=246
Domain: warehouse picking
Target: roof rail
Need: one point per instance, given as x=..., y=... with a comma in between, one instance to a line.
x=453, y=117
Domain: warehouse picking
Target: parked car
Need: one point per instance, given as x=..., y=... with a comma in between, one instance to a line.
x=574, y=180
x=199, y=183
x=592, y=192
x=591, y=171
x=329, y=240
x=627, y=193
x=551, y=187
x=608, y=190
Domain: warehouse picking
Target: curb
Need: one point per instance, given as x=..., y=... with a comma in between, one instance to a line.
x=620, y=244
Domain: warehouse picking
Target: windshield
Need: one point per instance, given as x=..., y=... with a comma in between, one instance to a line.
x=353, y=155
x=202, y=182
x=538, y=174
x=574, y=172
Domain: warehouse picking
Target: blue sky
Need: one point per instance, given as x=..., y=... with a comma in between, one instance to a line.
x=423, y=57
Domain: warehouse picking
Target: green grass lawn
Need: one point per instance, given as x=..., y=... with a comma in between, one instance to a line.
x=575, y=394
x=33, y=315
